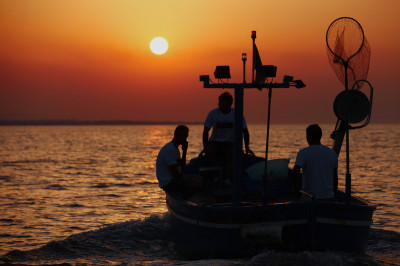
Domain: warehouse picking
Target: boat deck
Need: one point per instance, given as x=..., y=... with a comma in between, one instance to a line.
x=224, y=196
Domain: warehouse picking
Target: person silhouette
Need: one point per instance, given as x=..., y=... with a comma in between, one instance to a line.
x=319, y=164
x=219, y=147
x=170, y=165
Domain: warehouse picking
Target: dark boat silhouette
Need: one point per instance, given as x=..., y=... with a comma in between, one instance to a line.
x=214, y=226
x=268, y=212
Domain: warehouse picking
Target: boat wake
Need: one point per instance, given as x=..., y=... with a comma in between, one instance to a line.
x=129, y=242
x=149, y=241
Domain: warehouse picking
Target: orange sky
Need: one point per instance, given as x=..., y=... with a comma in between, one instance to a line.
x=90, y=60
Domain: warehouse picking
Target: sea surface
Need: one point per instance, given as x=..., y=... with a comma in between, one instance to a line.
x=88, y=195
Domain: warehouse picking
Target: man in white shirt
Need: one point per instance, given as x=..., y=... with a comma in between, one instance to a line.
x=220, y=145
x=169, y=166
x=319, y=164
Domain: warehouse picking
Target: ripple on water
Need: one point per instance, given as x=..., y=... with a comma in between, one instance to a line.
x=56, y=187
x=100, y=185
x=74, y=205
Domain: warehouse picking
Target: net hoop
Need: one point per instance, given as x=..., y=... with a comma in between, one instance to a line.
x=359, y=49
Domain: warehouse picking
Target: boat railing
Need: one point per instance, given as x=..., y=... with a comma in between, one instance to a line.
x=312, y=197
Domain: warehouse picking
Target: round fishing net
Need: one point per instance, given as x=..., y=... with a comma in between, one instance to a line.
x=348, y=51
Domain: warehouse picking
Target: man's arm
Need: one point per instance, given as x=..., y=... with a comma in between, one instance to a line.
x=174, y=171
x=206, y=130
x=184, y=151
x=174, y=168
x=296, y=177
x=246, y=137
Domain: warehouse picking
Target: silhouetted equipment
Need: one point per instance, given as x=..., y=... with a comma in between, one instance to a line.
x=287, y=79
x=349, y=54
x=202, y=226
x=253, y=67
x=351, y=106
x=269, y=71
x=262, y=73
x=348, y=51
x=244, y=59
x=293, y=83
x=299, y=84
x=204, y=78
x=222, y=72
x=265, y=71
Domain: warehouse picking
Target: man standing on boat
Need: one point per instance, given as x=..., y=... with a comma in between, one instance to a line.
x=169, y=166
x=319, y=164
x=220, y=145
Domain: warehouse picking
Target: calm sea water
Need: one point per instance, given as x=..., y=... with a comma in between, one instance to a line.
x=88, y=194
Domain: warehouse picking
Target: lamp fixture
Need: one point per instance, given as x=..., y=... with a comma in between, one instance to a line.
x=222, y=72
x=299, y=84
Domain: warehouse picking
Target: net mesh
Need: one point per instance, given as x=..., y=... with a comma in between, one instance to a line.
x=346, y=44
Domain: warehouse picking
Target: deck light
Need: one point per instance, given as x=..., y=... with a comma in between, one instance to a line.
x=222, y=72
x=204, y=78
x=269, y=71
x=287, y=79
x=299, y=84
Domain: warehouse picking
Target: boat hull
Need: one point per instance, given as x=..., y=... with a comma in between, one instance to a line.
x=225, y=230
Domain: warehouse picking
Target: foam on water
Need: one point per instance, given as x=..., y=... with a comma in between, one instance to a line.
x=135, y=241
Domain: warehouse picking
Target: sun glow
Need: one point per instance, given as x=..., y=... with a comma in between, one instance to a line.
x=159, y=45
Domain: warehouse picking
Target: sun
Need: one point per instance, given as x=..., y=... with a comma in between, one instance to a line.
x=159, y=45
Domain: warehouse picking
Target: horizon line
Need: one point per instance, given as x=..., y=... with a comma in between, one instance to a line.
x=26, y=122
x=68, y=122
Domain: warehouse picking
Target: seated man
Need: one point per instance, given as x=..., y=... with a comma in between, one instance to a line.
x=220, y=145
x=169, y=166
x=319, y=164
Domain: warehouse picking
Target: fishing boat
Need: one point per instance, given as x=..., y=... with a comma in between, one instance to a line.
x=266, y=210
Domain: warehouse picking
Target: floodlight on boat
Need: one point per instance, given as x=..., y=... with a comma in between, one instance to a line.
x=269, y=71
x=204, y=78
x=299, y=84
x=222, y=72
x=287, y=79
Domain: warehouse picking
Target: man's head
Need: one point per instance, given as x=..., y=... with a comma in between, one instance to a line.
x=225, y=101
x=314, y=134
x=181, y=134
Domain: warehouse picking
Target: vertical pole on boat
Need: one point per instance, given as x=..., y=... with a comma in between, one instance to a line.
x=253, y=37
x=348, y=175
x=265, y=176
x=238, y=146
x=244, y=59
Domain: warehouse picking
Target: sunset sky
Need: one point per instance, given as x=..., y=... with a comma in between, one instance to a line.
x=90, y=60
